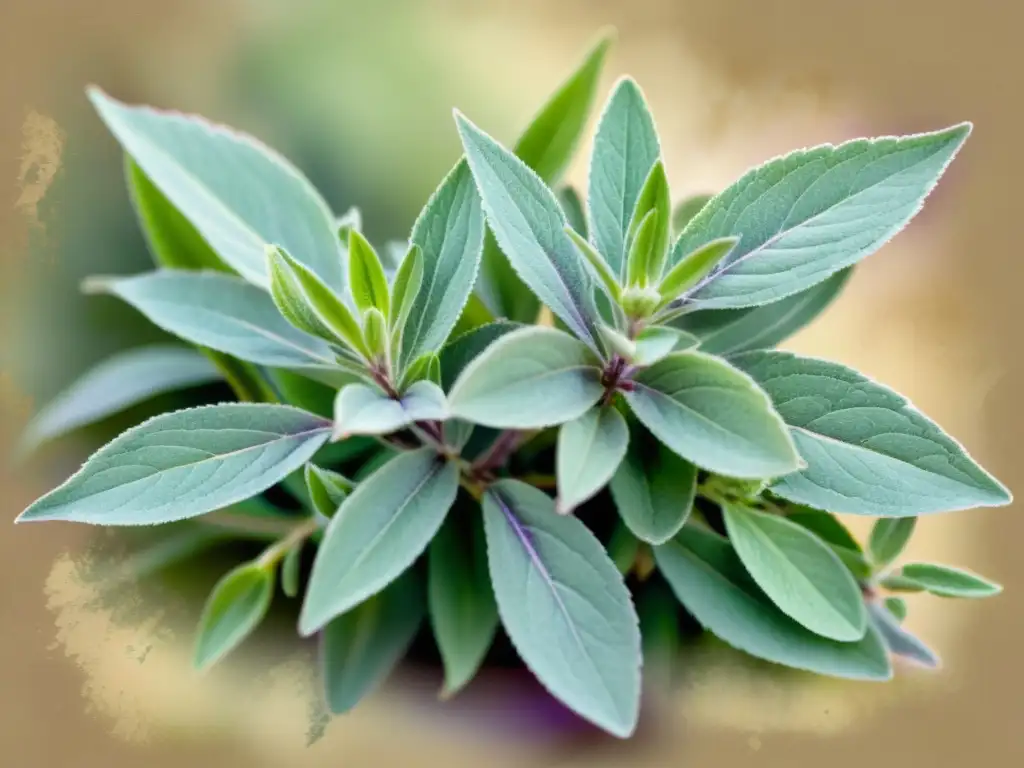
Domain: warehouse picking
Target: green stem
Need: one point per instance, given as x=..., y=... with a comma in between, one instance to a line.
x=279, y=549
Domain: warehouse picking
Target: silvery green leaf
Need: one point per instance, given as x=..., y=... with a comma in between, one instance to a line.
x=184, y=464
x=946, y=581
x=380, y=529
x=801, y=575
x=564, y=606
x=361, y=648
x=711, y=583
x=589, y=450
x=889, y=537
x=464, y=349
x=529, y=227
x=653, y=489
x=366, y=279
x=828, y=528
x=235, y=607
x=686, y=209
x=364, y=410
x=625, y=149
x=712, y=415
x=809, y=214
x=899, y=641
x=868, y=450
x=572, y=207
x=609, y=282
x=655, y=342
x=239, y=194
x=532, y=377
x=117, y=383
x=327, y=489
x=731, y=331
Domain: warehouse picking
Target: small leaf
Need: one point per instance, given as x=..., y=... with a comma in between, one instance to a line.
x=868, y=450
x=655, y=342
x=406, y=288
x=530, y=378
x=375, y=333
x=235, y=607
x=327, y=489
x=184, y=464
x=899, y=641
x=711, y=583
x=572, y=207
x=625, y=149
x=889, y=537
x=380, y=529
x=801, y=575
x=654, y=198
x=945, y=581
x=639, y=262
x=462, y=607
x=586, y=648
x=464, y=349
x=291, y=566
x=897, y=606
x=653, y=489
x=616, y=343
x=601, y=270
x=897, y=583
x=366, y=278
x=117, y=383
x=694, y=267
x=712, y=415
x=589, y=450
x=361, y=648
x=363, y=410
x=686, y=210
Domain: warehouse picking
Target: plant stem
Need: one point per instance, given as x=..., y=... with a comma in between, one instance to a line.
x=500, y=450
x=280, y=548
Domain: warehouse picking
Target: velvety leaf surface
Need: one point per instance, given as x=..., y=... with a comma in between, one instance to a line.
x=588, y=452
x=889, y=536
x=946, y=581
x=235, y=607
x=363, y=410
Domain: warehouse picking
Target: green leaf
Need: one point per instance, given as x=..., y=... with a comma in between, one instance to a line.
x=375, y=333
x=827, y=528
x=406, y=288
x=363, y=410
x=711, y=583
x=623, y=547
x=616, y=343
x=327, y=489
x=694, y=267
x=117, y=383
x=235, y=607
x=464, y=349
x=658, y=610
x=897, y=583
x=868, y=450
x=945, y=581
x=686, y=209
x=601, y=270
x=654, y=198
x=564, y=605
x=530, y=378
x=238, y=193
x=361, y=648
x=589, y=450
x=380, y=529
x=367, y=281
x=712, y=415
x=801, y=575
x=291, y=567
x=307, y=394
x=889, y=538
x=641, y=251
x=529, y=226
x=450, y=231
x=899, y=641
x=462, y=608
x=625, y=149
x=809, y=214
x=655, y=342
x=653, y=489
x=184, y=464
x=572, y=207
x=897, y=606
x=730, y=331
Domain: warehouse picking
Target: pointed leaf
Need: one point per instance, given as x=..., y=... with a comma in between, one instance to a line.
x=235, y=607
x=656, y=342
x=364, y=410
x=291, y=567
x=589, y=450
x=654, y=198
x=564, y=606
x=945, y=581
x=694, y=267
x=375, y=333
x=868, y=450
x=600, y=269
x=899, y=641
x=366, y=278
x=897, y=606
x=381, y=528
x=889, y=537
x=327, y=489
x=405, y=289
x=641, y=251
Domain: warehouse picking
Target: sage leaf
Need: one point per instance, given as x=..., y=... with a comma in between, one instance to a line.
x=117, y=383
x=897, y=606
x=655, y=342
x=327, y=489
x=363, y=410
x=712, y=584
x=686, y=209
x=529, y=227
x=184, y=464
x=639, y=261
x=800, y=574
x=899, y=641
x=291, y=567
x=366, y=279
x=805, y=216
x=694, y=267
x=713, y=415
x=462, y=608
x=532, y=377
x=239, y=194
x=235, y=607
x=625, y=149
x=889, y=537
x=827, y=528
x=654, y=199
x=589, y=450
x=572, y=207
x=405, y=289
x=945, y=581
x=564, y=605
x=380, y=529
x=464, y=349
x=868, y=450
x=361, y=648
x=601, y=270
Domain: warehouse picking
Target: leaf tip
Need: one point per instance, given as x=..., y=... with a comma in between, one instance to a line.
x=97, y=284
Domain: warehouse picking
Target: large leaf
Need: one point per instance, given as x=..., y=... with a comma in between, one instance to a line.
x=533, y=377
x=450, y=233
x=360, y=649
x=625, y=149
x=462, y=608
x=529, y=225
x=730, y=331
x=564, y=605
x=710, y=581
x=239, y=194
x=380, y=529
x=363, y=410
x=809, y=214
x=183, y=464
x=235, y=607
x=589, y=450
x=712, y=415
x=118, y=382
x=653, y=489
x=945, y=581
x=801, y=575
x=868, y=450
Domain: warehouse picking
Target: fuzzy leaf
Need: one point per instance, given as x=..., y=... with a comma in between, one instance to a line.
x=601, y=270
x=589, y=450
x=694, y=267
x=363, y=410
x=639, y=262
x=464, y=349
x=945, y=581
x=235, y=607
x=654, y=198
x=367, y=281
x=656, y=342
x=888, y=539
x=327, y=489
